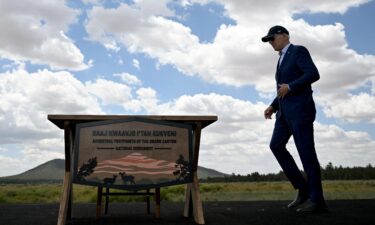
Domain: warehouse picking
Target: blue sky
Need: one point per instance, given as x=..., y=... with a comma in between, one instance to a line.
x=358, y=22
x=185, y=57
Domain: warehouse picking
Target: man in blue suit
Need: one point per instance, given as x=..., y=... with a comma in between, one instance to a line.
x=295, y=114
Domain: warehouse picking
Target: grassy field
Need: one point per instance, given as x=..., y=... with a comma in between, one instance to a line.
x=249, y=191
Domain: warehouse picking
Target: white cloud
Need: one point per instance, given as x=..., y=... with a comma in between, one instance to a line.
x=144, y=34
x=352, y=108
x=151, y=7
x=136, y=64
x=347, y=148
x=265, y=12
x=236, y=56
x=129, y=78
x=27, y=99
x=93, y=2
x=239, y=140
x=30, y=154
x=10, y=166
x=146, y=99
x=37, y=155
x=327, y=6
x=109, y=92
x=35, y=31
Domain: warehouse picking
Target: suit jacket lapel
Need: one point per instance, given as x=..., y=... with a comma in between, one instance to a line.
x=277, y=70
x=285, y=59
x=286, y=56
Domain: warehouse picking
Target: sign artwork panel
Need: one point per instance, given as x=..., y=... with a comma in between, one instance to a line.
x=133, y=154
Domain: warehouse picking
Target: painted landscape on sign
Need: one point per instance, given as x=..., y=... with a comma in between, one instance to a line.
x=134, y=154
x=134, y=169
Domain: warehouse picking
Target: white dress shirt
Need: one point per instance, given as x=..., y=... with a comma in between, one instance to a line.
x=282, y=52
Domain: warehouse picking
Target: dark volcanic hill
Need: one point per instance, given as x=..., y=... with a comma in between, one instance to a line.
x=203, y=173
x=53, y=172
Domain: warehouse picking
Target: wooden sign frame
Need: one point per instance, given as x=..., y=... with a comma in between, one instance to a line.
x=193, y=202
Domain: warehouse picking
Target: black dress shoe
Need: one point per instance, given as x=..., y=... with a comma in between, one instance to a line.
x=312, y=207
x=301, y=198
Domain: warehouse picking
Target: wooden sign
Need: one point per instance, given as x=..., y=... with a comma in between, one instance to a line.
x=132, y=153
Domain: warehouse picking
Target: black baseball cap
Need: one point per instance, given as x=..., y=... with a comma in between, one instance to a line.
x=274, y=30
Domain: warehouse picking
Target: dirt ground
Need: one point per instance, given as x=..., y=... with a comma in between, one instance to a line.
x=343, y=212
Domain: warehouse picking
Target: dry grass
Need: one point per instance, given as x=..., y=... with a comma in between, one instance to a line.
x=247, y=191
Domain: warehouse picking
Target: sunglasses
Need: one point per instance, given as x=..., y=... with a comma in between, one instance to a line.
x=271, y=38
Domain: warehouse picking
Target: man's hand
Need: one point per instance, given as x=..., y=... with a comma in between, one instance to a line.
x=283, y=90
x=268, y=112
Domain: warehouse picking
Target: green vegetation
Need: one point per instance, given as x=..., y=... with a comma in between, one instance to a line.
x=239, y=191
x=52, y=172
x=17, y=193
x=43, y=184
x=329, y=172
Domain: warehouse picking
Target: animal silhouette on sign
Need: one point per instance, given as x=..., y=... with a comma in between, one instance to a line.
x=127, y=178
x=108, y=181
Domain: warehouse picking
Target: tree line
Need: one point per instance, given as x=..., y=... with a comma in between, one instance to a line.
x=329, y=172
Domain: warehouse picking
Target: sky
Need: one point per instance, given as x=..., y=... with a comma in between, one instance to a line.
x=184, y=57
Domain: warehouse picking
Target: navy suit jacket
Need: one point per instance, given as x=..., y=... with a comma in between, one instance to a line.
x=299, y=71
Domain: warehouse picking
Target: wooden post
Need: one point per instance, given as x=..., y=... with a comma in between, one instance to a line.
x=71, y=141
x=64, y=202
x=197, y=201
x=192, y=194
x=157, y=201
x=148, y=200
x=193, y=202
x=196, y=144
x=106, y=200
x=70, y=201
x=99, y=202
x=65, y=210
x=188, y=201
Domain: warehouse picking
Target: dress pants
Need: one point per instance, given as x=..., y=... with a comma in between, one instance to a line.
x=302, y=130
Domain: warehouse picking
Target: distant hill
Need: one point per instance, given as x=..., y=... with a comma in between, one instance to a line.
x=53, y=172
x=49, y=172
x=203, y=173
